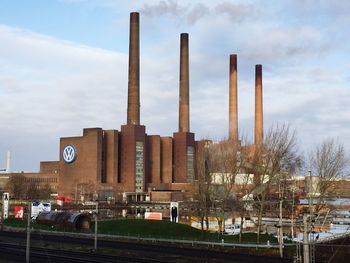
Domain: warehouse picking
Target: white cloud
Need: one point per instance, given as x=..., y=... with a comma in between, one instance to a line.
x=52, y=88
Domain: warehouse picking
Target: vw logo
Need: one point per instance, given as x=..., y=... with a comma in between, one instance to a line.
x=69, y=154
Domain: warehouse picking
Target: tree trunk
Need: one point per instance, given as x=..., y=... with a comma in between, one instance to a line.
x=220, y=227
x=202, y=226
x=259, y=222
x=241, y=230
x=207, y=224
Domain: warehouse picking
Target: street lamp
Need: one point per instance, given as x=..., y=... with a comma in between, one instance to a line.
x=311, y=201
x=96, y=221
x=28, y=232
x=95, y=214
x=294, y=189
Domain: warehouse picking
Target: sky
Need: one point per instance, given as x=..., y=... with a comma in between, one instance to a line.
x=64, y=66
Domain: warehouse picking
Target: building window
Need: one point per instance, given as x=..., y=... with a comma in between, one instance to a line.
x=190, y=164
x=139, y=170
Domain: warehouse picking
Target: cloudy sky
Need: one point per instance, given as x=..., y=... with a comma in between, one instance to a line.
x=64, y=64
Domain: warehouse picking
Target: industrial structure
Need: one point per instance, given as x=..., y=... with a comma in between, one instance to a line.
x=130, y=164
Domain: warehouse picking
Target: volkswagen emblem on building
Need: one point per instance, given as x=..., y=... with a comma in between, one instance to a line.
x=69, y=154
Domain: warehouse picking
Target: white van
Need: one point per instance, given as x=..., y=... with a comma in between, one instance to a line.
x=232, y=229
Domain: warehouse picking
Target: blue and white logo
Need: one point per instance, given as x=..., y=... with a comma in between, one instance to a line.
x=69, y=154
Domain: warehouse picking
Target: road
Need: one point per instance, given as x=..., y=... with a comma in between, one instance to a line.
x=12, y=247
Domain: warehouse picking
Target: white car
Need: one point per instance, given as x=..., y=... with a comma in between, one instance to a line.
x=232, y=229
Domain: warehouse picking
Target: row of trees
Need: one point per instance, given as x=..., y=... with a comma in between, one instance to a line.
x=21, y=187
x=239, y=176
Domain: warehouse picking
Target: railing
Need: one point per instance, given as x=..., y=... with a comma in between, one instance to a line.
x=166, y=240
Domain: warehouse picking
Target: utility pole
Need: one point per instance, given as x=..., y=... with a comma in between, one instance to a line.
x=281, y=232
x=293, y=188
x=292, y=221
x=96, y=220
x=311, y=193
x=2, y=215
x=306, y=239
x=28, y=234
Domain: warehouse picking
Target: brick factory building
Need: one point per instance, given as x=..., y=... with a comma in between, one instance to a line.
x=128, y=163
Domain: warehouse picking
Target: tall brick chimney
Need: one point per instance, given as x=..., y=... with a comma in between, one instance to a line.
x=258, y=135
x=233, y=111
x=184, y=107
x=134, y=71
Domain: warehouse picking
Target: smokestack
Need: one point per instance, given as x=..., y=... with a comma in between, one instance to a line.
x=8, y=162
x=233, y=111
x=258, y=136
x=184, y=107
x=134, y=71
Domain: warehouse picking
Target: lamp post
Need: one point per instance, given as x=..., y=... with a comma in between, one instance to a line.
x=306, y=246
x=28, y=233
x=96, y=222
x=2, y=216
x=311, y=201
x=293, y=188
x=281, y=231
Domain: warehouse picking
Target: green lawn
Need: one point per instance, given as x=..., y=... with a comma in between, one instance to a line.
x=148, y=228
x=153, y=229
x=166, y=229
x=22, y=223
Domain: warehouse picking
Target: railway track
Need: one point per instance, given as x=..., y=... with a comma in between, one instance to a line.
x=148, y=251
x=16, y=253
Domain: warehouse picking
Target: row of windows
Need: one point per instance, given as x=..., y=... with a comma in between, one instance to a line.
x=39, y=187
x=190, y=164
x=42, y=180
x=139, y=162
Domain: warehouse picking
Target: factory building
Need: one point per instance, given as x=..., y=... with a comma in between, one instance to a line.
x=129, y=164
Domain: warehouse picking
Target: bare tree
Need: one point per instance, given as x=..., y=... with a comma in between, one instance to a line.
x=225, y=161
x=328, y=162
x=45, y=191
x=86, y=190
x=21, y=187
x=270, y=161
x=217, y=167
x=242, y=202
x=17, y=186
x=36, y=191
x=32, y=190
x=202, y=185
